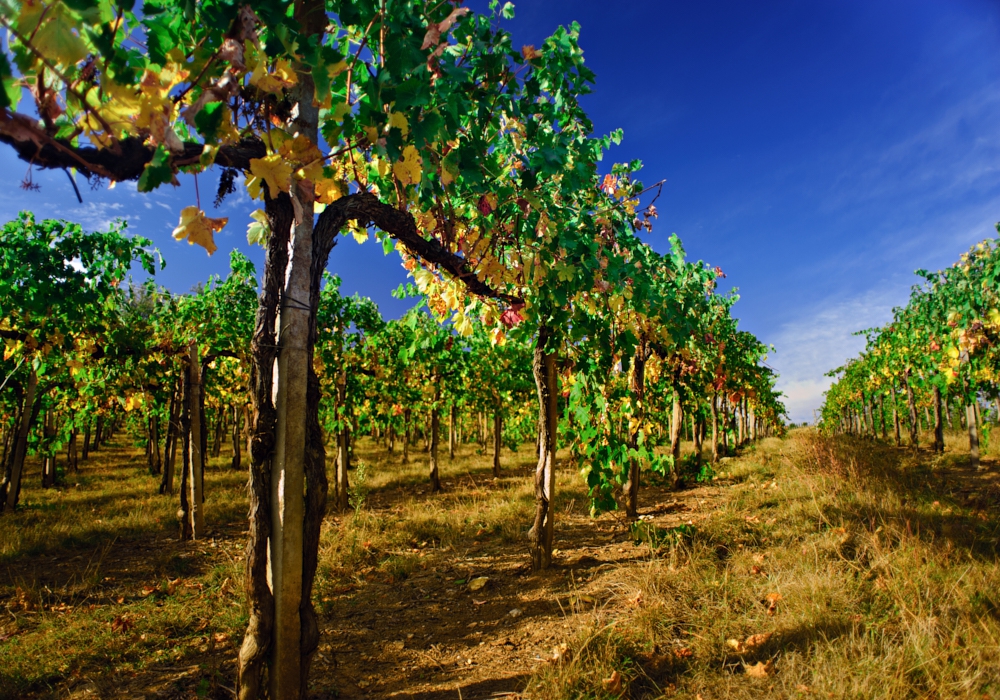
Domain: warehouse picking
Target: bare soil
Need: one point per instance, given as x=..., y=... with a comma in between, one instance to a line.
x=432, y=637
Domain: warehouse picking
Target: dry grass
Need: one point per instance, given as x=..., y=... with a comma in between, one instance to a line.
x=885, y=563
x=401, y=521
x=98, y=591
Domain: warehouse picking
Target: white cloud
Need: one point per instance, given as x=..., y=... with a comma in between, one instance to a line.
x=821, y=339
x=95, y=216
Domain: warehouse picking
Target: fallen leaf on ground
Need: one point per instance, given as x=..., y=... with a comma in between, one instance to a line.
x=25, y=598
x=771, y=601
x=749, y=644
x=756, y=640
x=122, y=624
x=560, y=653
x=478, y=583
x=614, y=683
x=761, y=669
x=683, y=653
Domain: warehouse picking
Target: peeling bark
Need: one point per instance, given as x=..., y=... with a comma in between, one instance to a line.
x=638, y=393
x=938, y=422
x=715, y=428
x=540, y=536
x=11, y=487
x=497, y=439
x=914, y=418
x=432, y=446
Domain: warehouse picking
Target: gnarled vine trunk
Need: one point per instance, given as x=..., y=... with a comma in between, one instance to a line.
x=914, y=418
x=540, y=536
x=193, y=500
x=452, y=431
x=881, y=415
x=638, y=400
x=173, y=433
x=432, y=440
x=676, y=423
x=343, y=447
x=236, y=436
x=49, y=459
x=897, y=433
x=715, y=428
x=497, y=439
x=970, y=419
x=938, y=421
x=11, y=487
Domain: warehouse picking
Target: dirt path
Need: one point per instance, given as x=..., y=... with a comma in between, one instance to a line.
x=433, y=636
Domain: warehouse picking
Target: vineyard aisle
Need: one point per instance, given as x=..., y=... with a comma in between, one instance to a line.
x=809, y=565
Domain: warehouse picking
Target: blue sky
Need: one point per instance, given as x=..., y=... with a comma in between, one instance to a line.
x=817, y=151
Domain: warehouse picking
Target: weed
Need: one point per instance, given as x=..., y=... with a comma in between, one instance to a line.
x=358, y=490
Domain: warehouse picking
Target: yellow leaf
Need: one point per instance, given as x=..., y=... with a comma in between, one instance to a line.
x=760, y=669
x=300, y=149
x=274, y=171
x=311, y=172
x=497, y=336
x=447, y=177
x=462, y=324
x=329, y=190
x=407, y=170
x=155, y=106
x=488, y=315
x=198, y=228
x=258, y=231
x=423, y=279
x=12, y=346
x=253, y=184
x=426, y=222
x=398, y=120
x=381, y=166
x=282, y=77
x=451, y=296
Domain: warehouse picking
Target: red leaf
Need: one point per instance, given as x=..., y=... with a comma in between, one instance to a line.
x=511, y=317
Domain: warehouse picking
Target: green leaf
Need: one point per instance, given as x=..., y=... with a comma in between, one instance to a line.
x=508, y=10
x=209, y=119
x=157, y=172
x=10, y=95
